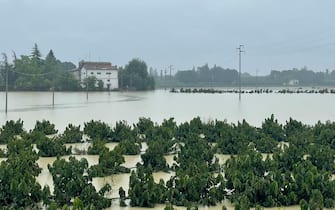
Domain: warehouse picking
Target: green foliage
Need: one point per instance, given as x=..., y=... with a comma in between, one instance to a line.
x=78, y=204
x=242, y=204
x=72, y=134
x=329, y=203
x=316, y=200
x=323, y=157
x=265, y=144
x=18, y=186
x=45, y=127
x=51, y=147
x=234, y=139
x=90, y=83
x=144, y=125
x=303, y=204
x=97, y=130
x=143, y=191
x=36, y=73
x=194, y=180
x=122, y=131
x=97, y=147
x=122, y=195
x=100, y=85
x=324, y=134
x=258, y=207
x=215, y=75
x=10, y=129
x=34, y=136
x=298, y=171
x=272, y=128
x=154, y=157
x=109, y=163
x=3, y=153
x=169, y=206
x=129, y=147
x=70, y=182
x=135, y=76
x=164, y=134
x=294, y=127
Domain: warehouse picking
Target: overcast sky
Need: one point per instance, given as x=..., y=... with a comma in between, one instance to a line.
x=277, y=34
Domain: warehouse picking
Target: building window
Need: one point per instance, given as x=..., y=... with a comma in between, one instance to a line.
x=108, y=80
x=98, y=73
x=92, y=73
x=108, y=73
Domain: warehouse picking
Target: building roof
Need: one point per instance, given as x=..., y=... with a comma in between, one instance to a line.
x=97, y=65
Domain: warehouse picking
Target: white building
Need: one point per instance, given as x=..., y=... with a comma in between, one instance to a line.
x=104, y=71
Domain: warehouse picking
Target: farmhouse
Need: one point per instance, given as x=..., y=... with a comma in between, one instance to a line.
x=103, y=71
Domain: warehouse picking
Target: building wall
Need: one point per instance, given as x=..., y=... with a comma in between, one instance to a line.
x=76, y=74
x=109, y=77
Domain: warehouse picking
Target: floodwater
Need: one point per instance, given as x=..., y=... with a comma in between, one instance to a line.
x=72, y=107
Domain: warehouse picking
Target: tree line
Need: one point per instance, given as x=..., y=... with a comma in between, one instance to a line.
x=216, y=76
x=269, y=166
x=35, y=73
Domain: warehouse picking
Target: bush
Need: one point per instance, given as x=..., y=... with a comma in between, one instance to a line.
x=10, y=129
x=72, y=134
x=97, y=130
x=45, y=127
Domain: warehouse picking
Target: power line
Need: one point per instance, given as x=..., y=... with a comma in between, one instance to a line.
x=30, y=74
x=6, y=69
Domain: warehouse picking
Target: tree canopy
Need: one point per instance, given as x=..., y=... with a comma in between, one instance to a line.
x=135, y=76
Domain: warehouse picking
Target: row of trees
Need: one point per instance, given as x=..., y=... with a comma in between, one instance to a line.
x=297, y=169
x=35, y=73
x=205, y=76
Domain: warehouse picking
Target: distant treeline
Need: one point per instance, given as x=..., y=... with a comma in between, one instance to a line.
x=35, y=73
x=204, y=76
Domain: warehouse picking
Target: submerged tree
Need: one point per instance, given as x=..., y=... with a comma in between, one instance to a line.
x=19, y=187
x=70, y=182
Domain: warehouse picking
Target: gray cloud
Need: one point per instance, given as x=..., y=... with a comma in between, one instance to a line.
x=277, y=34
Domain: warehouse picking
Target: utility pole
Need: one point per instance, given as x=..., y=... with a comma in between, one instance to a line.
x=53, y=95
x=256, y=79
x=240, y=50
x=53, y=90
x=86, y=86
x=6, y=69
x=170, y=71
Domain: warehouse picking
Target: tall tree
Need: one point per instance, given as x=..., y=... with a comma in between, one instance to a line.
x=36, y=53
x=135, y=76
